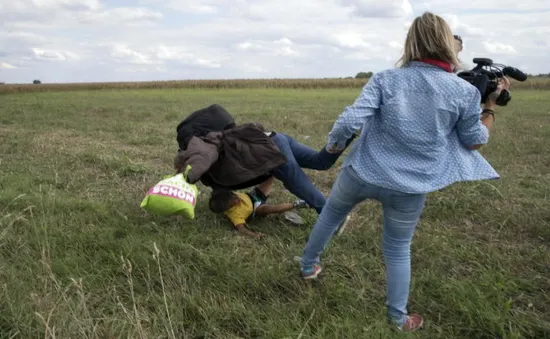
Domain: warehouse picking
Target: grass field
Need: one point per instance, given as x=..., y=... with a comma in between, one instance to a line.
x=79, y=259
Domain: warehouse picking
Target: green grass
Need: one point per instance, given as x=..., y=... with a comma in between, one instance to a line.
x=79, y=259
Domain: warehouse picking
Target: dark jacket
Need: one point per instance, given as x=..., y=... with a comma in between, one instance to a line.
x=213, y=118
x=201, y=155
x=236, y=158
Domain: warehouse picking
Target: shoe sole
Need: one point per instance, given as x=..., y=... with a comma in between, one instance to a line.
x=419, y=327
x=313, y=276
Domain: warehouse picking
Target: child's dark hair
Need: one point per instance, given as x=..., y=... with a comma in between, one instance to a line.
x=220, y=200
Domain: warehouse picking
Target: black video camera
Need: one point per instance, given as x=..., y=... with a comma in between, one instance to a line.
x=485, y=78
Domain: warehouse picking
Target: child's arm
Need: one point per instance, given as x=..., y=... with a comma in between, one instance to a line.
x=246, y=232
x=239, y=223
x=265, y=210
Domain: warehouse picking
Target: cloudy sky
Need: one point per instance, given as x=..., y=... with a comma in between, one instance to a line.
x=125, y=40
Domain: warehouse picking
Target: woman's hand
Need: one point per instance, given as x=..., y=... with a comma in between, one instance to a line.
x=503, y=84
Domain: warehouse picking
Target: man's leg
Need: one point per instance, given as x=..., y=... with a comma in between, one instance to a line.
x=266, y=186
x=297, y=182
x=259, y=194
x=294, y=179
x=307, y=157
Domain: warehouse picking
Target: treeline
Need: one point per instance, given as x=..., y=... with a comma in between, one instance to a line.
x=541, y=75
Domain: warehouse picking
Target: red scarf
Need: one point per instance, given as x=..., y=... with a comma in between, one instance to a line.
x=441, y=64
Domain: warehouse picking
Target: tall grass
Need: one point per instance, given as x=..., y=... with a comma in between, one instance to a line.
x=532, y=83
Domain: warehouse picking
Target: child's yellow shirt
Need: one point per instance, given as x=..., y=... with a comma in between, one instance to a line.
x=240, y=213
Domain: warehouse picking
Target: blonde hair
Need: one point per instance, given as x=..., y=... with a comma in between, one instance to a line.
x=429, y=37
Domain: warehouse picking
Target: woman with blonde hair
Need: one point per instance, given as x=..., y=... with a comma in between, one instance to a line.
x=421, y=126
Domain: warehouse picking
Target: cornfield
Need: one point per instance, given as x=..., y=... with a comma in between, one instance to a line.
x=531, y=83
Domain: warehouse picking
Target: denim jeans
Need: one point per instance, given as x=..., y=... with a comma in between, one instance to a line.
x=291, y=174
x=401, y=213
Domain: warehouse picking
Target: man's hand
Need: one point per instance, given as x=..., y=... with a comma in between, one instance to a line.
x=246, y=232
x=332, y=149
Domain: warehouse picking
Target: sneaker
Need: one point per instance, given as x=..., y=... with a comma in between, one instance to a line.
x=343, y=225
x=294, y=217
x=300, y=204
x=413, y=323
x=311, y=274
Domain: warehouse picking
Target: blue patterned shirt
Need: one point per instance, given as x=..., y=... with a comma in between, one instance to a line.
x=416, y=123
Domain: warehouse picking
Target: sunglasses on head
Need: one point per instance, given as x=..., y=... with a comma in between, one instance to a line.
x=458, y=37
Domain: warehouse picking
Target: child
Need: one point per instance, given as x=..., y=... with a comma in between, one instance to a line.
x=240, y=207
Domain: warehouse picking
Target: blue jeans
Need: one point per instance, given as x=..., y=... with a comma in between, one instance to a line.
x=291, y=174
x=401, y=214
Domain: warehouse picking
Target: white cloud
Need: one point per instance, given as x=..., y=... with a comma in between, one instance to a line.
x=5, y=65
x=499, y=48
x=28, y=5
x=189, y=6
x=43, y=10
x=120, y=14
x=132, y=69
x=41, y=13
x=492, y=7
x=246, y=45
x=283, y=47
x=255, y=69
x=70, y=40
x=183, y=56
x=395, y=44
x=122, y=53
x=351, y=39
x=377, y=8
x=205, y=63
x=154, y=58
x=52, y=55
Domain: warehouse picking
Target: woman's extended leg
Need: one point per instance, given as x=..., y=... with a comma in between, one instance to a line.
x=347, y=191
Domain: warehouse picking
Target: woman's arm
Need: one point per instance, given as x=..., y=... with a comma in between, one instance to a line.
x=354, y=116
x=473, y=131
x=487, y=119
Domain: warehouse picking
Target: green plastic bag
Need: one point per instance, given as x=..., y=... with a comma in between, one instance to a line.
x=172, y=196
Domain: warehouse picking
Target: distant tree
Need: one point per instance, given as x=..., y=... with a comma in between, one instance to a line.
x=363, y=75
x=36, y=82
